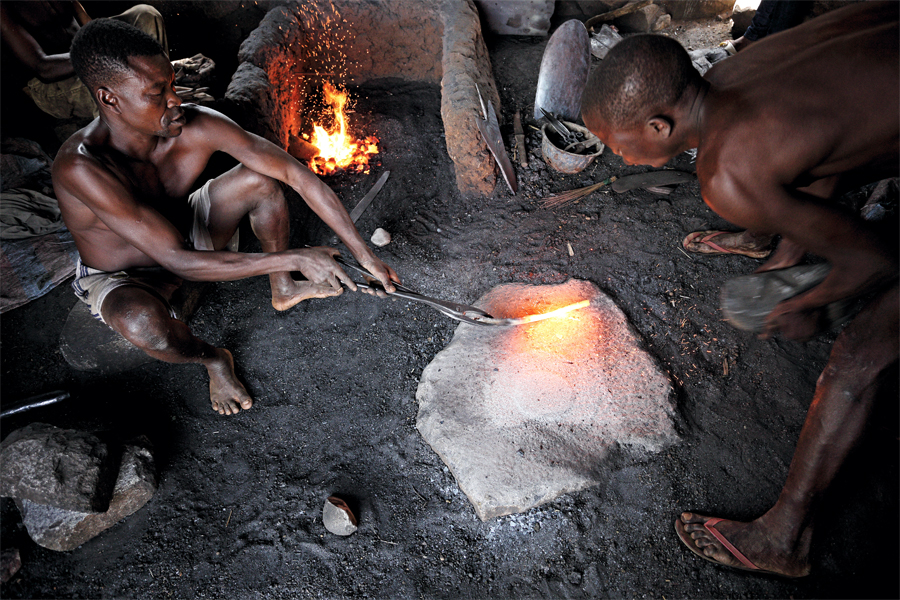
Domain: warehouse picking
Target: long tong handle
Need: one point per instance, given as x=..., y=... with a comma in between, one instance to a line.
x=454, y=310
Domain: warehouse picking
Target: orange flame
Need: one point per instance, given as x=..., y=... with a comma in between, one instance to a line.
x=337, y=150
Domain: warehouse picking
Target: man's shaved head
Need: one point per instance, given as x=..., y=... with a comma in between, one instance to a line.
x=641, y=76
x=101, y=49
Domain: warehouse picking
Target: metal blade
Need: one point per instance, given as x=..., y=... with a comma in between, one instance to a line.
x=490, y=131
x=367, y=199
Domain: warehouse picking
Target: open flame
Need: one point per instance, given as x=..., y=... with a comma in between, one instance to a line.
x=337, y=149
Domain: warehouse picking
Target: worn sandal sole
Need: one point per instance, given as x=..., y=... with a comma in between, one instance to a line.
x=746, y=301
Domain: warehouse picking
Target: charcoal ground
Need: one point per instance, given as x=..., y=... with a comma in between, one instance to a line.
x=238, y=511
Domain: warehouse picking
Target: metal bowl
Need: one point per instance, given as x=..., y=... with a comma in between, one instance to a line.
x=553, y=146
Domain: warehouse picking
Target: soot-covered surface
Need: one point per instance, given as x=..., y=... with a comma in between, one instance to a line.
x=238, y=511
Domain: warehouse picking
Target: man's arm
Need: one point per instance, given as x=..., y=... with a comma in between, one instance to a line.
x=268, y=159
x=47, y=68
x=84, y=178
x=860, y=261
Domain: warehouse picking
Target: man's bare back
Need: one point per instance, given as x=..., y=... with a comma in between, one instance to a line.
x=846, y=117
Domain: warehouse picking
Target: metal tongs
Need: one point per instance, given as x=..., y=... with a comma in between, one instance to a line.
x=460, y=312
x=572, y=139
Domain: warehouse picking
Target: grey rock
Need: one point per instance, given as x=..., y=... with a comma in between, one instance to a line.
x=10, y=563
x=517, y=17
x=522, y=415
x=63, y=530
x=639, y=21
x=72, y=470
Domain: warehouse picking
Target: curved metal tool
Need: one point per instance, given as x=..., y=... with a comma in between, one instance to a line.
x=454, y=310
x=569, y=136
x=490, y=130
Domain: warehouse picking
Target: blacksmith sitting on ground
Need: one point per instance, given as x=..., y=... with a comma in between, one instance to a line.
x=123, y=184
x=781, y=129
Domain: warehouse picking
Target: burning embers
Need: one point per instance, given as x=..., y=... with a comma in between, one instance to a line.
x=337, y=149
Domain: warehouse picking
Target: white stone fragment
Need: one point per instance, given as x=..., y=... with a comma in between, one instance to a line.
x=337, y=517
x=381, y=237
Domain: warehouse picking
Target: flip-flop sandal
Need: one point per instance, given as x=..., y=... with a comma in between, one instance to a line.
x=709, y=525
x=704, y=237
x=746, y=301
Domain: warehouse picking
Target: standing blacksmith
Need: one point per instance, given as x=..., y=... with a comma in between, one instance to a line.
x=781, y=129
x=125, y=184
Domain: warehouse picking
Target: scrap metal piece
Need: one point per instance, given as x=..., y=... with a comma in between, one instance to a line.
x=490, y=131
x=564, y=72
x=568, y=136
x=367, y=199
x=35, y=402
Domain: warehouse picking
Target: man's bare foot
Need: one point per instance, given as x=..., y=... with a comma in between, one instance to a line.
x=227, y=393
x=285, y=297
x=751, y=548
x=728, y=242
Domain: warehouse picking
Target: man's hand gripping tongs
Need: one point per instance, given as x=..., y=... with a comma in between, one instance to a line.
x=460, y=312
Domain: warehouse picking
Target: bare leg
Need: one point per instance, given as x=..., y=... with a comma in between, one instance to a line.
x=144, y=320
x=779, y=540
x=241, y=192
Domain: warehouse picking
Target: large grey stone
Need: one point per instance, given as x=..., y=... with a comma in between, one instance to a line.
x=63, y=530
x=517, y=17
x=524, y=414
x=69, y=469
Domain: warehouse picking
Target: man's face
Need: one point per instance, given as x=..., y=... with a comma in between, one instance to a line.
x=636, y=146
x=147, y=99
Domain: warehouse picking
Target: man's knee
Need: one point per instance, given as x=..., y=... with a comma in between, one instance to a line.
x=261, y=186
x=139, y=316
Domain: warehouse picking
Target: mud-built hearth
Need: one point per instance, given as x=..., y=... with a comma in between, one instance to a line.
x=298, y=47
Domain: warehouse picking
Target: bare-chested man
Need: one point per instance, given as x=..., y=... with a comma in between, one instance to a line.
x=125, y=184
x=782, y=128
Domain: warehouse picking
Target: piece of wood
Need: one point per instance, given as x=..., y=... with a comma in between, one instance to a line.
x=520, y=139
x=652, y=179
x=367, y=199
x=615, y=14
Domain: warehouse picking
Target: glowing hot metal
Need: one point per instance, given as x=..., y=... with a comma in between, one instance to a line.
x=555, y=313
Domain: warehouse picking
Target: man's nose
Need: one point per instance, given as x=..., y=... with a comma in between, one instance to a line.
x=173, y=99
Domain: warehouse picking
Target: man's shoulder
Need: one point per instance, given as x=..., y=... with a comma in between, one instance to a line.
x=203, y=117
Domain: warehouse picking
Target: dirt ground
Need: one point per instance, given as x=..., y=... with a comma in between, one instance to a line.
x=238, y=510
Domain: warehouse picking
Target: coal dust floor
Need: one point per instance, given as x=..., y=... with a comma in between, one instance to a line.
x=238, y=511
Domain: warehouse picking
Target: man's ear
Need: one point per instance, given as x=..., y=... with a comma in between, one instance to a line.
x=107, y=99
x=660, y=126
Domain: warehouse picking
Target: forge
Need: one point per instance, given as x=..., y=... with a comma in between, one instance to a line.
x=521, y=415
x=299, y=48
x=524, y=414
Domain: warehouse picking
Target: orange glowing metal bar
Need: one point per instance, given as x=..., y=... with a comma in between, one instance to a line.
x=556, y=313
